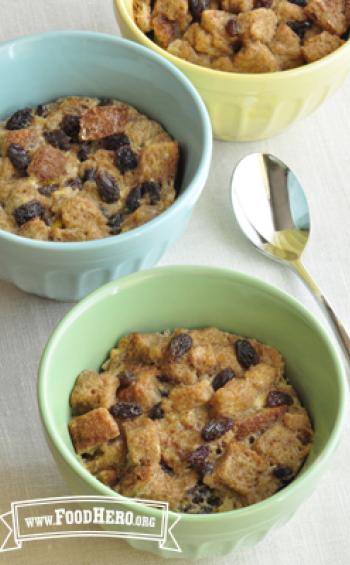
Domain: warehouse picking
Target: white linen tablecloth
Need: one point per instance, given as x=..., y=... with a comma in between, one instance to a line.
x=318, y=149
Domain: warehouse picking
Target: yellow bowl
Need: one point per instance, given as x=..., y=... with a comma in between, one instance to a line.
x=247, y=107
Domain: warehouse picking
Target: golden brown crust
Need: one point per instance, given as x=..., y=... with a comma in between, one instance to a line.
x=259, y=422
x=86, y=162
x=48, y=163
x=159, y=161
x=245, y=36
x=239, y=469
x=35, y=229
x=102, y=121
x=27, y=138
x=92, y=429
x=328, y=14
x=142, y=14
x=208, y=422
x=142, y=441
x=93, y=390
x=320, y=45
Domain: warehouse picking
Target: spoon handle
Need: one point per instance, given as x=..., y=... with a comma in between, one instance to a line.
x=335, y=322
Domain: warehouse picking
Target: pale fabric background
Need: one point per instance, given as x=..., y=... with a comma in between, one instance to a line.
x=318, y=149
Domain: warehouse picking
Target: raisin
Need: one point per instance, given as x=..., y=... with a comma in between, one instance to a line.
x=164, y=378
x=165, y=467
x=18, y=157
x=47, y=217
x=114, y=223
x=57, y=138
x=278, y=398
x=71, y=126
x=345, y=35
x=283, y=473
x=115, y=141
x=216, y=428
x=264, y=3
x=88, y=456
x=304, y=436
x=41, y=110
x=197, y=7
x=107, y=187
x=300, y=28
x=105, y=101
x=201, y=494
x=246, y=353
x=214, y=500
x=126, y=378
x=197, y=458
x=133, y=199
x=20, y=119
x=47, y=189
x=157, y=412
x=90, y=174
x=237, y=46
x=126, y=410
x=232, y=27
x=153, y=189
x=28, y=211
x=204, y=489
x=179, y=345
x=75, y=183
x=301, y=3
x=125, y=159
x=83, y=153
x=222, y=378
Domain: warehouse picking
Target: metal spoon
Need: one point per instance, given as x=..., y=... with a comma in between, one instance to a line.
x=271, y=209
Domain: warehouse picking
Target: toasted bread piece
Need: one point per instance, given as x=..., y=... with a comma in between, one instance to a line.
x=93, y=390
x=239, y=468
x=159, y=161
x=102, y=121
x=328, y=14
x=281, y=446
x=143, y=442
x=92, y=429
x=320, y=45
x=257, y=25
x=48, y=163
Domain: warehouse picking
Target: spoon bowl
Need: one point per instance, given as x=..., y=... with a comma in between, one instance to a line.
x=270, y=206
x=272, y=211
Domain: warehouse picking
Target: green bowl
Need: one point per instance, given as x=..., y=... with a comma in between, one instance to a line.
x=198, y=297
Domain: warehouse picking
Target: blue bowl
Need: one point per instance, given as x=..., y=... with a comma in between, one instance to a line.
x=40, y=68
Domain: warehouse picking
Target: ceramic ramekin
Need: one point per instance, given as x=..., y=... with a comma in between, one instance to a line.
x=198, y=297
x=43, y=67
x=247, y=107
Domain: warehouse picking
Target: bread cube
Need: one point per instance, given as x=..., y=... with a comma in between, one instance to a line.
x=239, y=468
x=255, y=57
x=143, y=442
x=92, y=429
x=93, y=390
x=281, y=446
x=48, y=163
x=320, y=45
x=257, y=25
x=102, y=121
x=328, y=14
